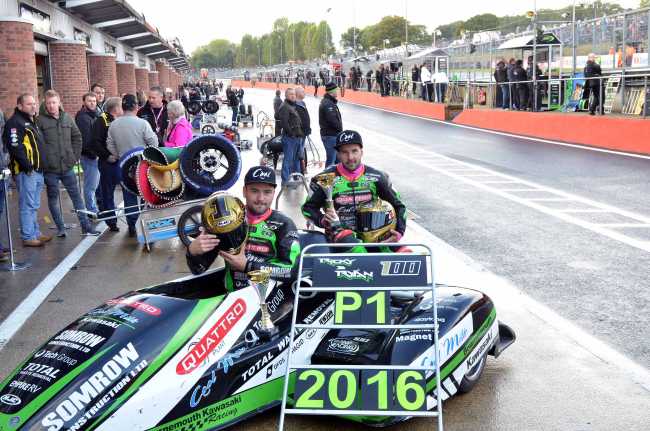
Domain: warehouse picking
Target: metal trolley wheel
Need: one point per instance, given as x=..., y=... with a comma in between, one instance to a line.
x=208, y=129
x=189, y=223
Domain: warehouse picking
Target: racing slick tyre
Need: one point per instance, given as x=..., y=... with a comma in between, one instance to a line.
x=208, y=129
x=210, y=107
x=128, y=165
x=194, y=107
x=473, y=376
x=189, y=223
x=210, y=163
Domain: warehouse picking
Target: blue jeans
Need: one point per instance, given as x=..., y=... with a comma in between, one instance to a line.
x=91, y=182
x=29, y=201
x=234, y=115
x=505, y=96
x=300, y=155
x=69, y=180
x=109, y=179
x=330, y=151
x=2, y=203
x=290, y=148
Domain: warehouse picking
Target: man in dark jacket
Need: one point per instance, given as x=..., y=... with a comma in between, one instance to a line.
x=24, y=141
x=329, y=120
x=85, y=119
x=61, y=153
x=501, y=78
x=277, y=102
x=155, y=113
x=109, y=169
x=536, y=89
x=593, y=86
x=233, y=102
x=522, y=88
x=292, y=134
x=305, y=121
x=512, y=89
x=415, y=78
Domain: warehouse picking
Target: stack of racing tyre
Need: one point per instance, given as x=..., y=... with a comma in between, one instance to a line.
x=164, y=176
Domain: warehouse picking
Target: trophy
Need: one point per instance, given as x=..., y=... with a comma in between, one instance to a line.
x=326, y=181
x=260, y=281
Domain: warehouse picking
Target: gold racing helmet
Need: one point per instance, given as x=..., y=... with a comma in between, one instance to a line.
x=375, y=220
x=224, y=215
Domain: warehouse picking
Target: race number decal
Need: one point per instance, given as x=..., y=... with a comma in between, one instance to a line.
x=362, y=308
x=389, y=390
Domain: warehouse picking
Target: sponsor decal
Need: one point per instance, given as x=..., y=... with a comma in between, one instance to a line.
x=450, y=342
x=414, y=337
x=326, y=317
x=400, y=268
x=354, y=275
x=342, y=345
x=10, y=400
x=202, y=391
x=78, y=340
x=262, y=174
x=213, y=339
x=26, y=387
x=161, y=223
x=79, y=400
x=39, y=371
x=478, y=354
x=351, y=199
x=258, y=365
x=312, y=316
x=115, y=313
x=102, y=322
x=258, y=248
x=275, y=301
x=336, y=262
x=284, y=343
x=141, y=306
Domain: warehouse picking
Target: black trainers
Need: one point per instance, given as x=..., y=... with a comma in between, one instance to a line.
x=91, y=231
x=113, y=228
x=61, y=233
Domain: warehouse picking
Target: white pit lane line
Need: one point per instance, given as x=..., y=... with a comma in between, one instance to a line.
x=566, y=214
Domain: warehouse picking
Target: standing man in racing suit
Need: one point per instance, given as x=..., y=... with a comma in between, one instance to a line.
x=272, y=237
x=355, y=184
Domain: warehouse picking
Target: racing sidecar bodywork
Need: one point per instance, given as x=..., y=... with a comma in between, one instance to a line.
x=184, y=355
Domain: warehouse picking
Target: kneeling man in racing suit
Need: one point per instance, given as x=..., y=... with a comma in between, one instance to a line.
x=355, y=185
x=272, y=237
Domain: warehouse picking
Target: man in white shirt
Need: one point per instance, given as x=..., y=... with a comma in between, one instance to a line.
x=427, y=85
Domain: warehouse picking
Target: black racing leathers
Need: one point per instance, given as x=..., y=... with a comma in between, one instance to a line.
x=349, y=192
x=272, y=244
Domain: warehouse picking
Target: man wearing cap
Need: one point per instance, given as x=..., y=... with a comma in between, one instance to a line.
x=355, y=184
x=272, y=237
x=329, y=119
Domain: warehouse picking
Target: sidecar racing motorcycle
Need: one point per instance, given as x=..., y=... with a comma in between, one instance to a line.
x=187, y=355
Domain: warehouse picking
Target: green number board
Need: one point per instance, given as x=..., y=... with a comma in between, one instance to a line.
x=373, y=390
x=362, y=308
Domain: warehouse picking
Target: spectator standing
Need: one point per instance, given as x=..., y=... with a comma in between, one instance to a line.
x=100, y=94
x=427, y=85
x=240, y=96
x=61, y=152
x=24, y=141
x=124, y=134
x=369, y=80
x=512, y=89
x=535, y=90
x=292, y=133
x=109, y=173
x=441, y=83
x=501, y=78
x=305, y=122
x=89, y=162
x=277, y=102
x=520, y=76
x=154, y=112
x=4, y=163
x=233, y=102
x=592, y=70
x=415, y=78
x=180, y=130
x=329, y=120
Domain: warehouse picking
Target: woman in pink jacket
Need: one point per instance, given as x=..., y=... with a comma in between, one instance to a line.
x=179, y=131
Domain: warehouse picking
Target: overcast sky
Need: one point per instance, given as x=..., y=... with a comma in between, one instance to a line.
x=196, y=22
